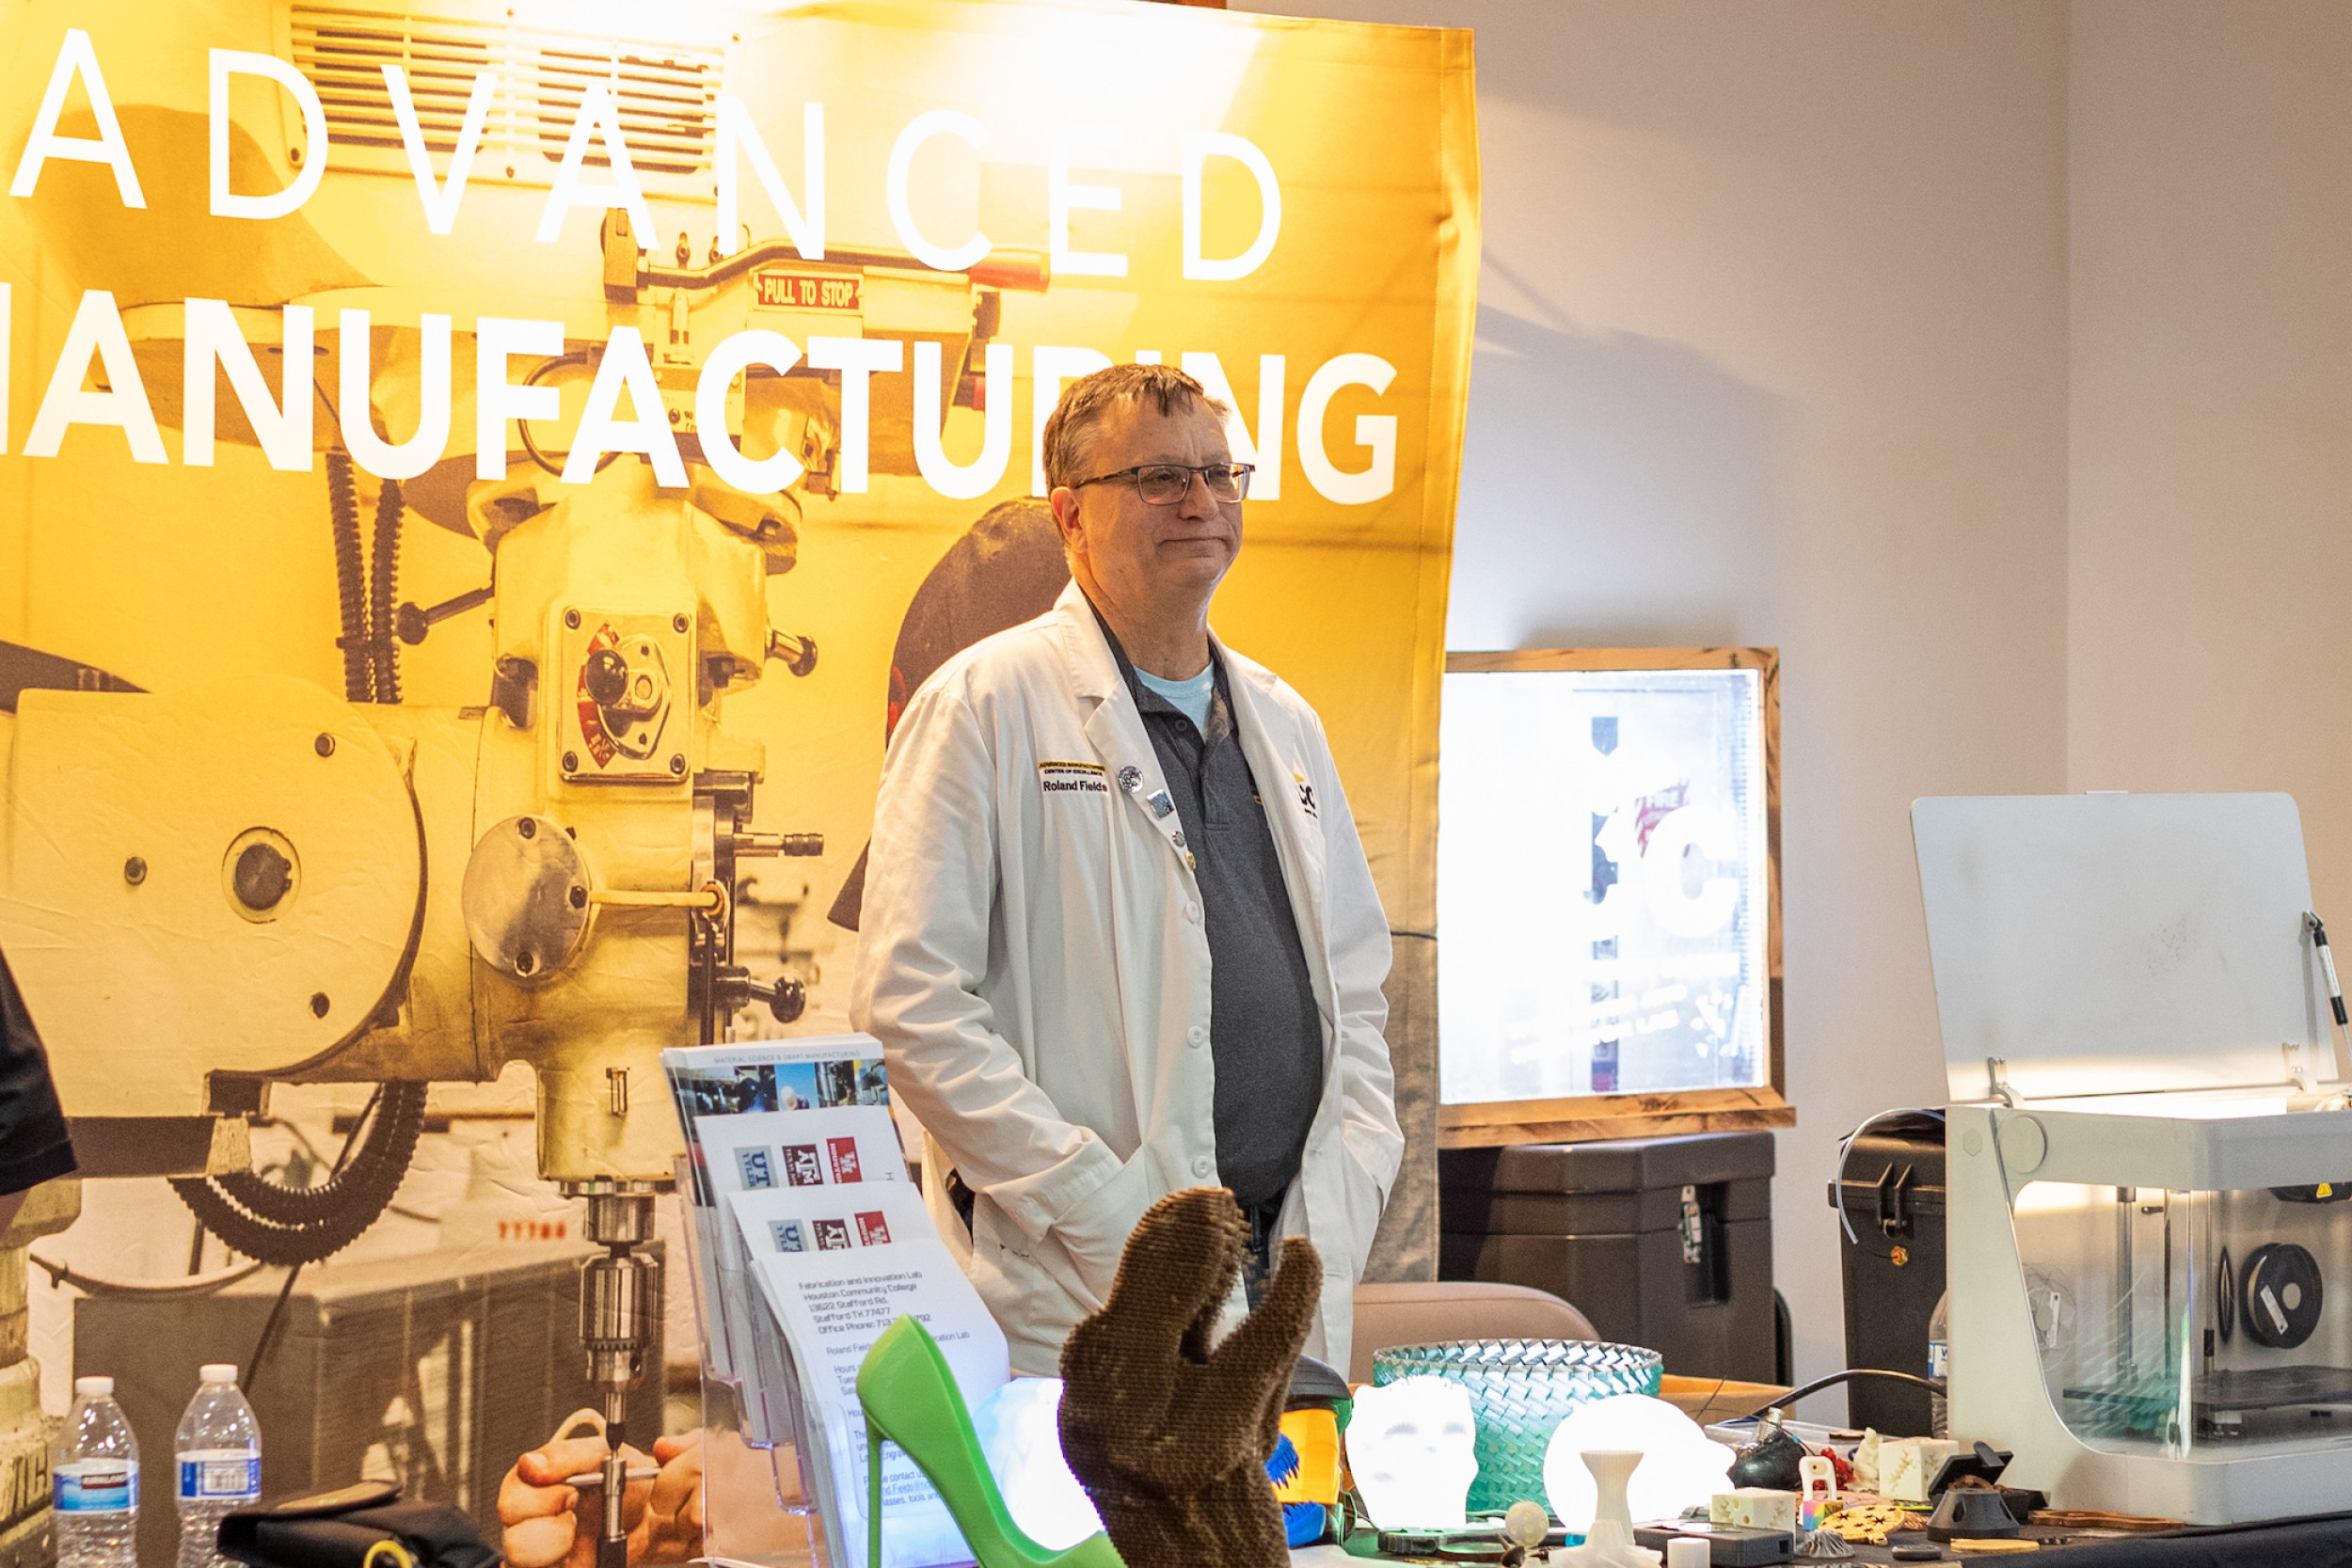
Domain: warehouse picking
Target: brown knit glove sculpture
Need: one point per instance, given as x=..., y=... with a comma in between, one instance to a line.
x=1169, y=1437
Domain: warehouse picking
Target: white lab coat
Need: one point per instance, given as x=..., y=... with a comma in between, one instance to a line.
x=1033, y=960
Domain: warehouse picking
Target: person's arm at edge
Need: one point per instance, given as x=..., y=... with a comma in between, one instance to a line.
x=923, y=946
x=34, y=1145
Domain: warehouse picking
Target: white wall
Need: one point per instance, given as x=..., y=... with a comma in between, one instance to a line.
x=2211, y=420
x=1772, y=350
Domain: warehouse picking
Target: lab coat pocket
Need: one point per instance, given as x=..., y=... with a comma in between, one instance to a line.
x=1094, y=1232
x=992, y=1233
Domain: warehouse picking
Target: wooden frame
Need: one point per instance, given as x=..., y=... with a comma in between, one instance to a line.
x=1583, y=1118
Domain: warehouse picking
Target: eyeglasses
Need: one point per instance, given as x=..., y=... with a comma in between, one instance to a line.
x=1166, y=484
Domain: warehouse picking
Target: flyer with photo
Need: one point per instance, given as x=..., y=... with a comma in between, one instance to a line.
x=716, y=1083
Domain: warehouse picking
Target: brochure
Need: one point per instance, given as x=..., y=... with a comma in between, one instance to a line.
x=838, y=1265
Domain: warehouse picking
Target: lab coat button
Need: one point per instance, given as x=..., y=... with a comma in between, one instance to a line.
x=1197, y=1035
x=1203, y=1168
x=1192, y=913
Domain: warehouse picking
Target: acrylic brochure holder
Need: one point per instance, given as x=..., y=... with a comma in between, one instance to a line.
x=757, y=1483
x=766, y=1470
x=2149, y=1160
x=806, y=1241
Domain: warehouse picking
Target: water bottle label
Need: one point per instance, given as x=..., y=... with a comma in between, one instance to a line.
x=97, y=1486
x=1939, y=1359
x=219, y=1475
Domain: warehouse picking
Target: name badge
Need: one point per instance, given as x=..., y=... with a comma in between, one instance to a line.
x=1072, y=778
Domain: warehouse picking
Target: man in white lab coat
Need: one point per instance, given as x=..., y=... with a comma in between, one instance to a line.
x=1119, y=936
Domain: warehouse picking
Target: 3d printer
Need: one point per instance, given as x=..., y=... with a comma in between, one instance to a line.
x=2148, y=1151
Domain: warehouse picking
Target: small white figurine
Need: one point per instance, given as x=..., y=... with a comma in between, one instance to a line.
x=1410, y=1447
x=1609, y=1538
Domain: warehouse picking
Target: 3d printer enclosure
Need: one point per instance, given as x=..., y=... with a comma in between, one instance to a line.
x=2130, y=998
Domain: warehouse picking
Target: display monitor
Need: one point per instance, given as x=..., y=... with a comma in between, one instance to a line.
x=1606, y=883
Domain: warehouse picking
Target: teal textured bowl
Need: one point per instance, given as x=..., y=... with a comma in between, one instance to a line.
x=1520, y=1391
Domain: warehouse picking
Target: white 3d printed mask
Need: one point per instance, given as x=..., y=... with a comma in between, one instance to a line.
x=1410, y=1445
x=1019, y=1433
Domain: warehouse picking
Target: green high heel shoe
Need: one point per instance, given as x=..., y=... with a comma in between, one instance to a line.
x=910, y=1398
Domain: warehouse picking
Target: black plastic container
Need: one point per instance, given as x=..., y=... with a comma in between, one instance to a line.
x=1663, y=1242
x=1893, y=1189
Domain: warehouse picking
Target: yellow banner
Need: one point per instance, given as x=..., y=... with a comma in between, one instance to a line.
x=423, y=424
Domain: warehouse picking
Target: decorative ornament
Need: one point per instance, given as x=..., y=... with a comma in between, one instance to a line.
x=1870, y=1522
x=1822, y=1544
x=1524, y=1525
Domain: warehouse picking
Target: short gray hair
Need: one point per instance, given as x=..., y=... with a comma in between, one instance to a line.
x=1069, y=430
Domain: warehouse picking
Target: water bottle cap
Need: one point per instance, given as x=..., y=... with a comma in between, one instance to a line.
x=94, y=1386
x=217, y=1372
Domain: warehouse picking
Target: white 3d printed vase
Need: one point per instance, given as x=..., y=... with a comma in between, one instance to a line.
x=1610, y=1542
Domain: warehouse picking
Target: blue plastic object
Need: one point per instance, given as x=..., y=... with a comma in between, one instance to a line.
x=1302, y=1523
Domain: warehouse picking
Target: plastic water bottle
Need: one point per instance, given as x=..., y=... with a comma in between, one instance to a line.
x=95, y=1465
x=219, y=1453
x=1940, y=1364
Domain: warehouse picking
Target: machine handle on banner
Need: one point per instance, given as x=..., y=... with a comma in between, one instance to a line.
x=1027, y=270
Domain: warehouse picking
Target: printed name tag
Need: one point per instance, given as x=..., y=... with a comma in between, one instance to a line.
x=1070, y=778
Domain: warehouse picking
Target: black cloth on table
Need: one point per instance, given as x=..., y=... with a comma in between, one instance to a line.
x=2318, y=1541
x=34, y=1146
x=2313, y=1541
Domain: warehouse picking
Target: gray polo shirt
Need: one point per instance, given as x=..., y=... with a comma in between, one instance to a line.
x=1264, y=1034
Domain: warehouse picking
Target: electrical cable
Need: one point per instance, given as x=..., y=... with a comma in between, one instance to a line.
x=263, y=1346
x=286, y=1226
x=383, y=577
x=1934, y=1385
x=268, y=1341
x=198, y=1285
x=351, y=582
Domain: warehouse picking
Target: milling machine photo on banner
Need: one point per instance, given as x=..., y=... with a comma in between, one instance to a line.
x=479, y=483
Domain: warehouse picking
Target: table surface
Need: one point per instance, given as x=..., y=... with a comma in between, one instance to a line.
x=2322, y=1541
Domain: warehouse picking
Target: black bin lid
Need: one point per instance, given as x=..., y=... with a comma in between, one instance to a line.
x=1618, y=1165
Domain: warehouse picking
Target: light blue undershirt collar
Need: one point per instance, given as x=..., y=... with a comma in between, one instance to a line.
x=1191, y=698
